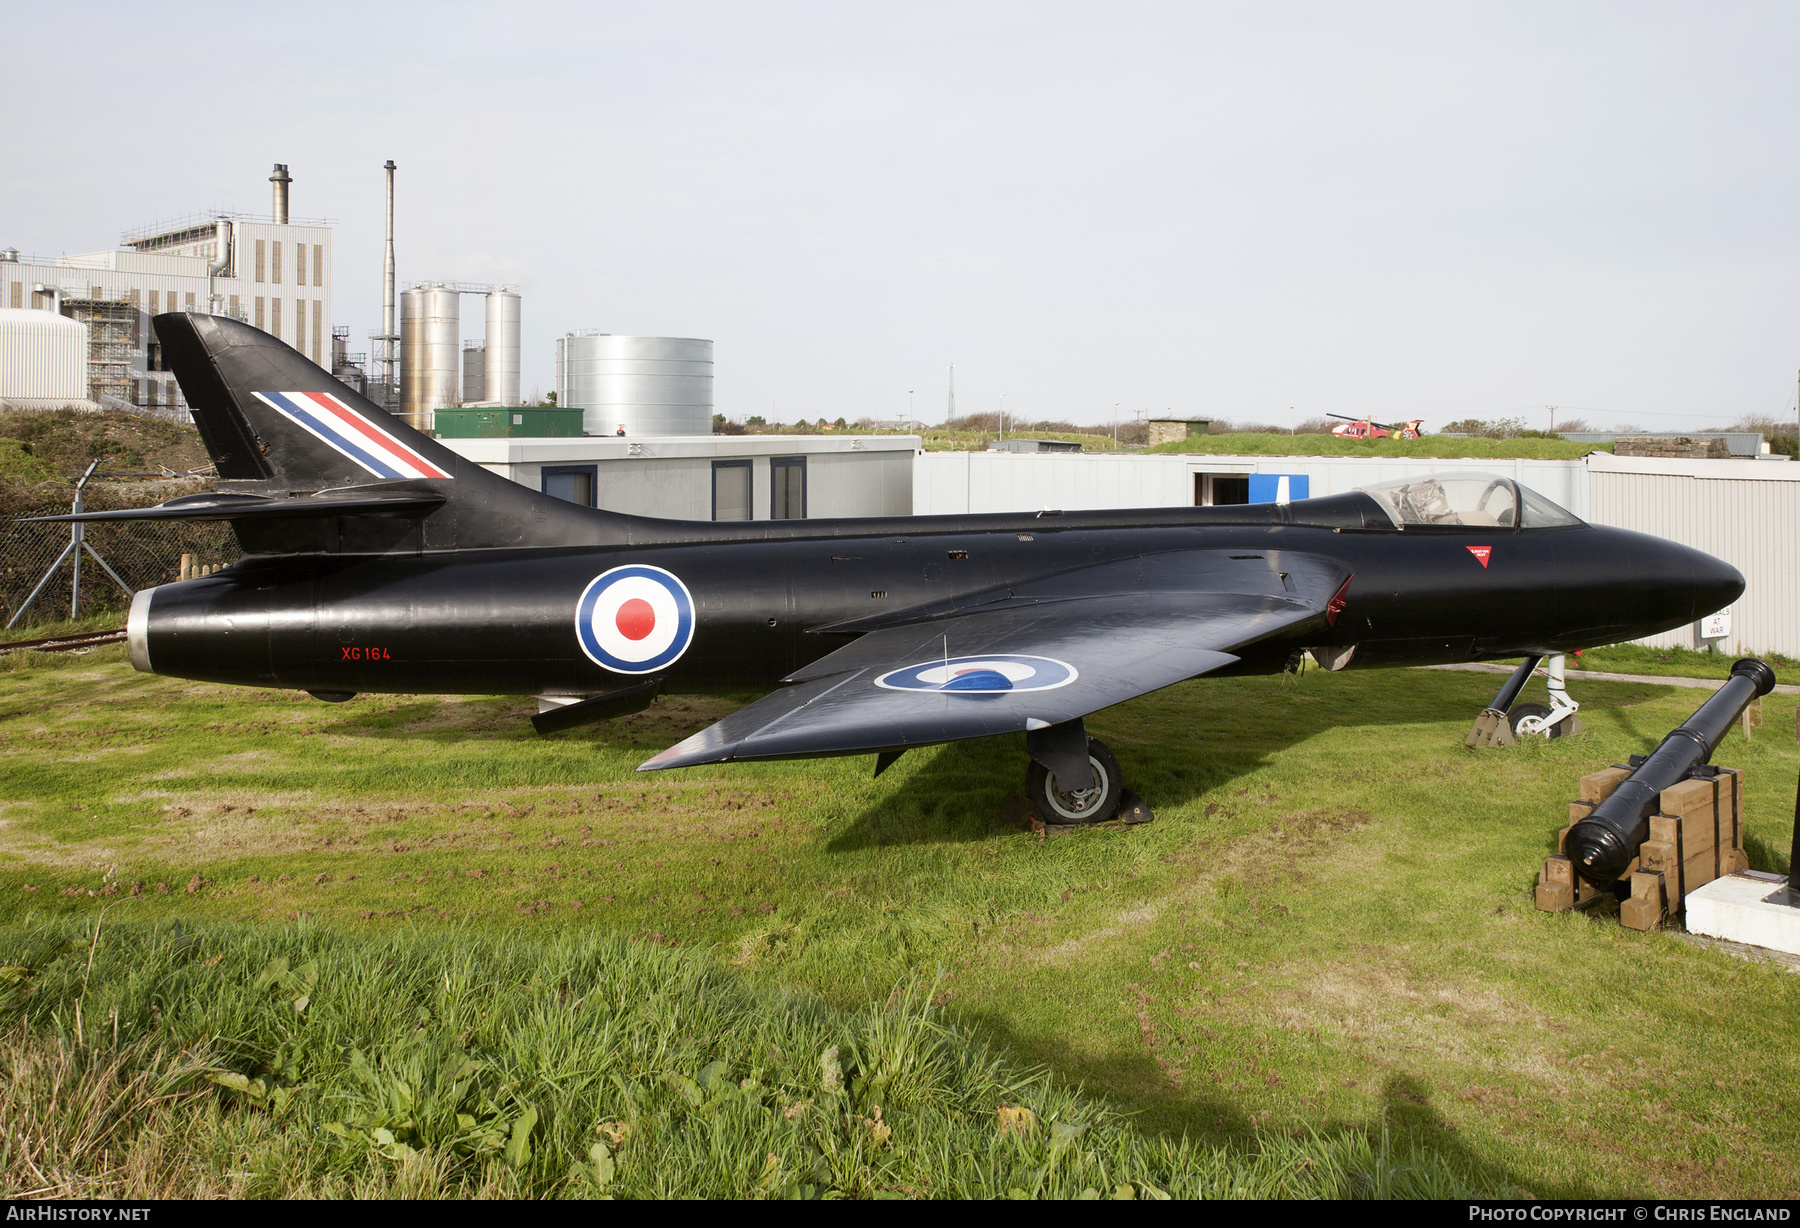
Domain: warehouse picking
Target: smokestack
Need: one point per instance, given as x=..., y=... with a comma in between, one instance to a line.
x=387, y=281
x=281, y=180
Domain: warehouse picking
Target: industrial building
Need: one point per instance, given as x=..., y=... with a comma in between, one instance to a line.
x=642, y=386
x=274, y=272
x=712, y=477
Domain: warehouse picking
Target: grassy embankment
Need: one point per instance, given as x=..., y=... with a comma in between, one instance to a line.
x=1329, y=928
x=1430, y=445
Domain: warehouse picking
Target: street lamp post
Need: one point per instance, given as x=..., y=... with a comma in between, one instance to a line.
x=1003, y=417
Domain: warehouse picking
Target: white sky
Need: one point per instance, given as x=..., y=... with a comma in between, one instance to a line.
x=1255, y=210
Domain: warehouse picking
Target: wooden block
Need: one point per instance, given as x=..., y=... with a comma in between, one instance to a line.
x=1689, y=797
x=1731, y=802
x=1647, y=886
x=1562, y=841
x=1740, y=861
x=1697, y=870
x=1558, y=872
x=1697, y=831
x=1554, y=898
x=1665, y=828
x=1579, y=811
x=1640, y=914
x=1657, y=857
x=1596, y=787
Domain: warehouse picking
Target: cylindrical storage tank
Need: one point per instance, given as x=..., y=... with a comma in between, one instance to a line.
x=502, y=347
x=474, y=374
x=43, y=355
x=430, y=353
x=648, y=385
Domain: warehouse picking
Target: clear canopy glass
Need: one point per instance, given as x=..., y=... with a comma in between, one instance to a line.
x=1466, y=500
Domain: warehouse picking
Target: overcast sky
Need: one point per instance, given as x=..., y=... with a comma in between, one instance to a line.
x=1263, y=210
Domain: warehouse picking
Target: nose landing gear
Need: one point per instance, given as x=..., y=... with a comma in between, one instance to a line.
x=1503, y=721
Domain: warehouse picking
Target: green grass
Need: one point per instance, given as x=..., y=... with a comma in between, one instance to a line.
x=1328, y=931
x=1249, y=444
x=1675, y=662
x=297, y=1062
x=937, y=439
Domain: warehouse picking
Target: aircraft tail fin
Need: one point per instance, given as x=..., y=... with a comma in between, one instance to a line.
x=281, y=427
x=268, y=415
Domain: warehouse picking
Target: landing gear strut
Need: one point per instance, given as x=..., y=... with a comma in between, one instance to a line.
x=1074, y=780
x=1503, y=721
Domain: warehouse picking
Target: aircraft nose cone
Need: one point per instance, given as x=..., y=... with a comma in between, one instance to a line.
x=1716, y=583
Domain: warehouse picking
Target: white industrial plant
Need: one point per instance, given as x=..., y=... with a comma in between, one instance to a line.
x=274, y=272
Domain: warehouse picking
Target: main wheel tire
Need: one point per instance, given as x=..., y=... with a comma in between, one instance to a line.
x=1095, y=805
x=1521, y=711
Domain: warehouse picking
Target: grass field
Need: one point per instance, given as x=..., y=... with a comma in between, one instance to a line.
x=1250, y=444
x=1326, y=934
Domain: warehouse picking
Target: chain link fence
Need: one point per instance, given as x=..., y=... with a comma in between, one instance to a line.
x=144, y=553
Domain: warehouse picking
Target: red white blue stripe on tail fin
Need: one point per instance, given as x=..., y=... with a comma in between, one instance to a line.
x=344, y=430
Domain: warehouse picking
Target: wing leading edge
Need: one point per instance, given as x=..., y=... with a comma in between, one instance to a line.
x=1030, y=656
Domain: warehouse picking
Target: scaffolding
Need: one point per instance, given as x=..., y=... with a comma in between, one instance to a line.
x=112, y=326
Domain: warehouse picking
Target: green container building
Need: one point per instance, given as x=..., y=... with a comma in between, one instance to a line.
x=507, y=421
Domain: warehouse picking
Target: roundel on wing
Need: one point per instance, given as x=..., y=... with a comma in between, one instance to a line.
x=994, y=674
x=635, y=619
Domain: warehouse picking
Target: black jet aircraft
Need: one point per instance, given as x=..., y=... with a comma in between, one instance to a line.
x=376, y=559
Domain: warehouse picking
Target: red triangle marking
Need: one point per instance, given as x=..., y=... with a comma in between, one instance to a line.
x=1481, y=553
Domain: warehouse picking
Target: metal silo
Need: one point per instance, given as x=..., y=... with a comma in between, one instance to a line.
x=502, y=347
x=648, y=385
x=474, y=373
x=430, y=352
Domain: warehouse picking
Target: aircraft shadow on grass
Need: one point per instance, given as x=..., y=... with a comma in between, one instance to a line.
x=1205, y=1112
x=959, y=793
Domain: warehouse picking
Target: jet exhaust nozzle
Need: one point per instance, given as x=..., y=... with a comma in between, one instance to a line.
x=1603, y=843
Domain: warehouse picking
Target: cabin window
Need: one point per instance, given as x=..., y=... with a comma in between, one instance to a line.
x=787, y=488
x=731, y=490
x=570, y=483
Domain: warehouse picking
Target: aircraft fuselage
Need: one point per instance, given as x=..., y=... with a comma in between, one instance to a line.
x=503, y=621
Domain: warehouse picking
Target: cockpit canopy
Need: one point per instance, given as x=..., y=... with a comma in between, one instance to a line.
x=1466, y=500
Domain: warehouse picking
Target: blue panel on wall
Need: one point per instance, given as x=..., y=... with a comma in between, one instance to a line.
x=1277, y=487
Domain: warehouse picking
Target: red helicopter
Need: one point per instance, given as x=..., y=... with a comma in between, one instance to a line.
x=1363, y=428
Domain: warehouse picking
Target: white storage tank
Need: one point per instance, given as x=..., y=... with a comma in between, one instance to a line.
x=43, y=355
x=648, y=385
x=502, y=360
x=430, y=352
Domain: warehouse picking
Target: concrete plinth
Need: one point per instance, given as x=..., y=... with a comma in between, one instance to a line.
x=1749, y=907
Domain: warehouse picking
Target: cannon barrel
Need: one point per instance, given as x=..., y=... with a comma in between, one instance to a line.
x=1604, y=842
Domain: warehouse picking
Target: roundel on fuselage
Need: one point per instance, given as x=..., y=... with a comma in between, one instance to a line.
x=635, y=619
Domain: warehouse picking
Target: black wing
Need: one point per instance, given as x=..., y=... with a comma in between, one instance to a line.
x=1025, y=657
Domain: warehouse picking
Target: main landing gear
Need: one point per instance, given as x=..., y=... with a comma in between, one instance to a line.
x=1074, y=780
x=1503, y=722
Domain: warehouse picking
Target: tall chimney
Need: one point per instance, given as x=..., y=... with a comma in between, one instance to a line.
x=387, y=285
x=281, y=180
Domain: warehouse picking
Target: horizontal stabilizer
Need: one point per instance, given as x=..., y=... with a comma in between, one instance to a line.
x=215, y=506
